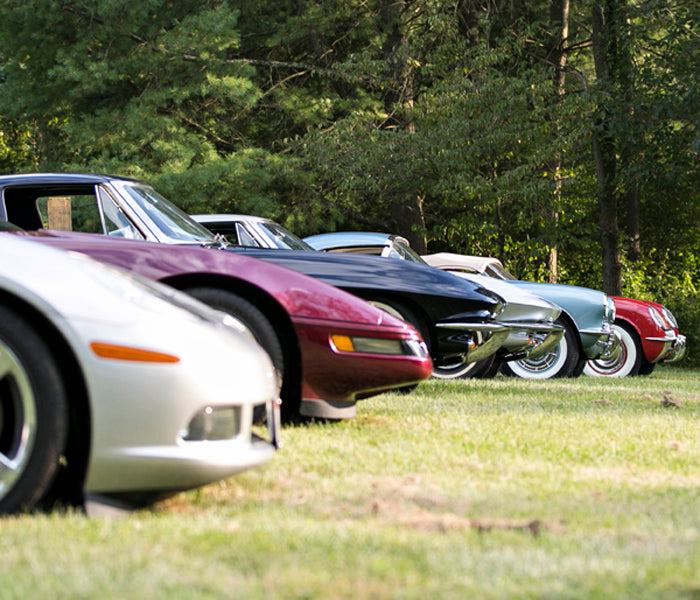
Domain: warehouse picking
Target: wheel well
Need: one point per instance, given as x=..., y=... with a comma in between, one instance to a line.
x=425, y=326
x=632, y=328
x=564, y=316
x=68, y=485
x=265, y=302
x=620, y=321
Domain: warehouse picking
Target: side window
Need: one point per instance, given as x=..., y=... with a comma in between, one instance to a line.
x=245, y=238
x=87, y=214
x=116, y=222
x=70, y=213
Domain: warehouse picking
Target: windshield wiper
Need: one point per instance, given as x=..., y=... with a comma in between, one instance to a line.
x=219, y=242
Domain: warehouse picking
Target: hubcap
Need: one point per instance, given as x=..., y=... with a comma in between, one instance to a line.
x=544, y=366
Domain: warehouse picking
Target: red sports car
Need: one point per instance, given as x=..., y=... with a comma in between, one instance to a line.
x=648, y=334
x=330, y=348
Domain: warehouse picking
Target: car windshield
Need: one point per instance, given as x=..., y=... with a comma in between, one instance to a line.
x=283, y=238
x=7, y=226
x=167, y=218
x=499, y=272
x=400, y=250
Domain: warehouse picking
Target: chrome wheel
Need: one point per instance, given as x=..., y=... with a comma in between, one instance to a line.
x=627, y=362
x=18, y=426
x=33, y=415
x=563, y=361
x=544, y=367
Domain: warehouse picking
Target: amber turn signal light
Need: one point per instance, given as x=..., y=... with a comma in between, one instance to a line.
x=134, y=354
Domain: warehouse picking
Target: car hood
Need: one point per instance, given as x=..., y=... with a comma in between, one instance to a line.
x=521, y=305
x=356, y=273
x=583, y=305
x=301, y=296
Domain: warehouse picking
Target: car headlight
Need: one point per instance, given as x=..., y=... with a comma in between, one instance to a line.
x=374, y=345
x=610, y=309
x=669, y=317
x=658, y=318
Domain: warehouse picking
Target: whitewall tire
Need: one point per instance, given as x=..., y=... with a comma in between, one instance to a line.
x=628, y=361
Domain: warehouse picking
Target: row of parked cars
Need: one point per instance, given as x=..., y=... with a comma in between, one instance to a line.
x=597, y=335
x=130, y=370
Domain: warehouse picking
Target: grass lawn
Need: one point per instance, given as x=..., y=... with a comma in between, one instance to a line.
x=582, y=488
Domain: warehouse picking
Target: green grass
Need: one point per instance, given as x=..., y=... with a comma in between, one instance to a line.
x=581, y=488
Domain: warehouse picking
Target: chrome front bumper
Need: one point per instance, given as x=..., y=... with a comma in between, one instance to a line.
x=674, y=349
x=532, y=339
x=609, y=343
x=476, y=341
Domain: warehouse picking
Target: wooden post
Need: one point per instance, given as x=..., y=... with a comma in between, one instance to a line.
x=59, y=213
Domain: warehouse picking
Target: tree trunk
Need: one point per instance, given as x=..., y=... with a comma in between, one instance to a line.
x=406, y=213
x=604, y=155
x=634, y=238
x=406, y=205
x=467, y=12
x=559, y=18
x=630, y=198
x=604, y=150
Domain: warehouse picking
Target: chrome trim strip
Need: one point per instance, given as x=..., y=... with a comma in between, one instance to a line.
x=488, y=327
x=596, y=331
x=532, y=326
x=661, y=339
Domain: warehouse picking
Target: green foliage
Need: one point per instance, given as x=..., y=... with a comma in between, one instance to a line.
x=249, y=181
x=15, y=146
x=480, y=157
x=329, y=115
x=135, y=90
x=674, y=281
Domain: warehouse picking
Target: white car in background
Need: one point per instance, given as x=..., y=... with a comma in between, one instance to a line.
x=113, y=388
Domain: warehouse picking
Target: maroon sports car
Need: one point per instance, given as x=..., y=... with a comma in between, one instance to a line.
x=330, y=347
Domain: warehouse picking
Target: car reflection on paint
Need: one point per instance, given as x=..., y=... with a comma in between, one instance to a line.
x=457, y=319
x=292, y=316
x=115, y=388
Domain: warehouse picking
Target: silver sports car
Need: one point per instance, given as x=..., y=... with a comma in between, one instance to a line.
x=115, y=388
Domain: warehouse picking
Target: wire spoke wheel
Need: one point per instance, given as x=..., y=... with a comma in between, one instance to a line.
x=563, y=361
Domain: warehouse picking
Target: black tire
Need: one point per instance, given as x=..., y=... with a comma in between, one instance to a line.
x=646, y=368
x=564, y=361
x=464, y=370
x=263, y=332
x=33, y=415
x=580, y=366
x=494, y=370
x=628, y=361
x=401, y=311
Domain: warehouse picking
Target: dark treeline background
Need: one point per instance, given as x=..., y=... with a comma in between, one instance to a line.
x=560, y=136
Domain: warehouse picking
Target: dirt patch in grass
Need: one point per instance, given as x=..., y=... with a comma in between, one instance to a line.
x=413, y=502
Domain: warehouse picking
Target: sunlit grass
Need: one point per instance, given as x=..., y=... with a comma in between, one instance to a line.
x=585, y=488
